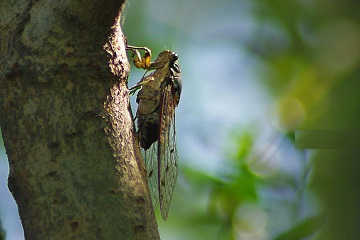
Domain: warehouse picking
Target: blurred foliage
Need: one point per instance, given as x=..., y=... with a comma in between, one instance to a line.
x=302, y=230
x=316, y=81
x=309, y=55
x=2, y=232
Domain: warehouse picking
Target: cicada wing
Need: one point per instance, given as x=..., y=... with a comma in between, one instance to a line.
x=151, y=163
x=167, y=155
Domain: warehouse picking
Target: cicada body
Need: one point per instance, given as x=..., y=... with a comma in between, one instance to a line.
x=157, y=99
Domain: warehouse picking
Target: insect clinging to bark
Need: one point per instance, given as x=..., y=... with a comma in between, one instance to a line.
x=158, y=96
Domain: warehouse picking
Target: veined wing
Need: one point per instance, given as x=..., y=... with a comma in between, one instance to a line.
x=151, y=163
x=167, y=155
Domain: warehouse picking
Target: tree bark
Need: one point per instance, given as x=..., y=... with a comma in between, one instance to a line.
x=75, y=167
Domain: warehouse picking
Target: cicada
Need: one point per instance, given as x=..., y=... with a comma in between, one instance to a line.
x=158, y=96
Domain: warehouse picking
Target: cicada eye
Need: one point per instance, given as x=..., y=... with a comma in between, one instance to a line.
x=173, y=56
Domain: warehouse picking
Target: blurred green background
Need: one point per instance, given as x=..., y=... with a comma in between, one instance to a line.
x=254, y=73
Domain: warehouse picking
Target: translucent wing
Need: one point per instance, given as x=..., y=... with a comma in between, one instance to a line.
x=161, y=157
x=151, y=163
x=167, y=155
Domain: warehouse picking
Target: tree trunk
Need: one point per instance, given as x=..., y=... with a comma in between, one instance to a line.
x=75, y=167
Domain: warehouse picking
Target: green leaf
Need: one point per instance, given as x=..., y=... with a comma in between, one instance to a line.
x=302, y=230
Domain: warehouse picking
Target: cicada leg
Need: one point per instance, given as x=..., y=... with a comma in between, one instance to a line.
x=138, y=86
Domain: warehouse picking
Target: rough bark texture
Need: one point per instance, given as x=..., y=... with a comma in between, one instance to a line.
x=75, y=168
